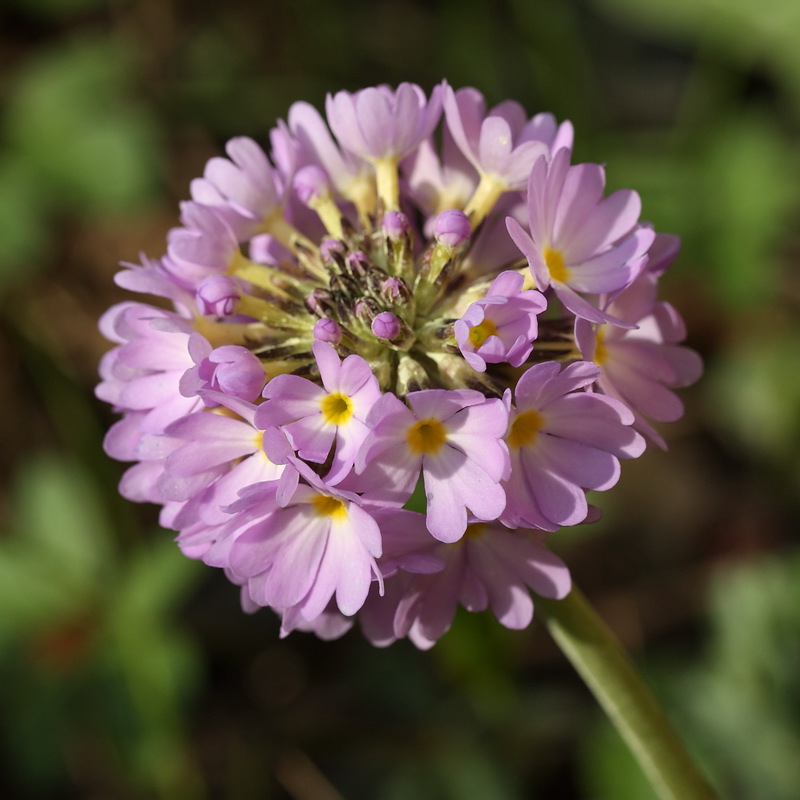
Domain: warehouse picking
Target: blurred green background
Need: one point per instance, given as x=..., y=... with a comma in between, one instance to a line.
x=128, y=671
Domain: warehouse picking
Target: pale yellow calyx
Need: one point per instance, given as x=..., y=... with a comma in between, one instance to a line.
x=362, y=193
x=220, y=333
x=426, y=437
x=388, y=181
x=329, y=213
x=524, y=429
x=278, y=226
x=254, y=307
x=337, y=408
x=326, y=506
x=440, y=255
x=483, y=200
x=274, y=280
x=237, y=262
x=478, y=334
x=554, y=259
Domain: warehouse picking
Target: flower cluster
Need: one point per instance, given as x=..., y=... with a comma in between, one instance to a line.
x=400, y=348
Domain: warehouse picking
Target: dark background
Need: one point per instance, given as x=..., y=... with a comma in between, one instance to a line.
x=128, y=671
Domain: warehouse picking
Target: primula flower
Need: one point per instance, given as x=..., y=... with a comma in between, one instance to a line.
x=205, y=247
x=490, y=567
x=502, y=325
x=501, y=144
x=310, y=546
x=580, y=242
x=227, y=450
x=362, y=403
x=230, y=369
x=562, y=442
x=243, y=191
x=640, y=365
x=455, y=439
x=315, y=417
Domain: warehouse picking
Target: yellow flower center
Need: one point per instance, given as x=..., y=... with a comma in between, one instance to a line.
x=480, y=333
x=327, y=506
x=524, y=429
x=600, y=349
x=337, y=408
x=426, y=436
x=475, y=531
x=555, y=263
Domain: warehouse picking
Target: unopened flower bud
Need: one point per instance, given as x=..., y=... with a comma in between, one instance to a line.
x=452, y=228
x=386, y=326
x=396, y=224
x=217, y=295
x=327, y=330
x=330, y=249
x=230, y=369
x=357, y=261
x=367, y=309
x=311, y=184
x=318, y=302
x=395, y=290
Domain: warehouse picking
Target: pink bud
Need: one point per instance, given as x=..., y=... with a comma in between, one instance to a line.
x=217, y=295
x=357, y=261
x=396, y=224
x=452, y=227
x=386, y=326
x=327, y=330
x=311, y=183
x=330, y=248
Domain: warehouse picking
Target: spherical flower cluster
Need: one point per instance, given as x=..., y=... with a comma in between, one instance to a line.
x=395, y=358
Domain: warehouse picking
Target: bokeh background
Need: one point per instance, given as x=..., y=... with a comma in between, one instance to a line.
x=128, y=671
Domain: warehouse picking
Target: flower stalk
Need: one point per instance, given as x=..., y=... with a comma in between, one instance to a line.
x=609, y=672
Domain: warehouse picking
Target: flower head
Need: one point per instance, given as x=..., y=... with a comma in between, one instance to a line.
x=363, y=401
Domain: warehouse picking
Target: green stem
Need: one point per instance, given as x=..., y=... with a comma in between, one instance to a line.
x=608, y=671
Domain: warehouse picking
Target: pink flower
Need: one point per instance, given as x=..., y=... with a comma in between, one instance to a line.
x=306, y=386
x=561, y=442
x=640, y=366
x=502, y=142
x=438, y=184
x=243, y=191
x=142, y=374
x=230, y=369
x=579, y=241
x=378, y=123
x=312, y=545
x=502, y=325
x=206, y=246
x=314, y=417
x=455, y=439
x=227, y=455
x=490, y=567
